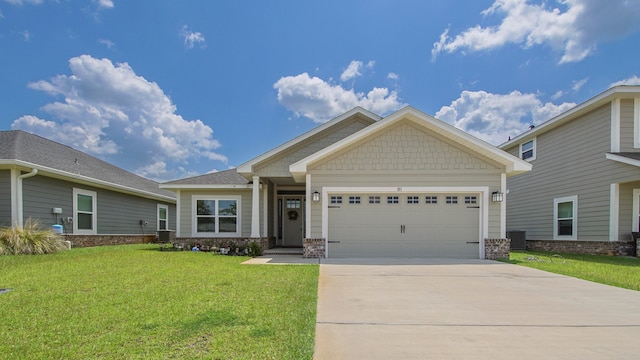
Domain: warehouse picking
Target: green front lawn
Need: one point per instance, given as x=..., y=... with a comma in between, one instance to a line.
x=617, y=271
x=134, y=302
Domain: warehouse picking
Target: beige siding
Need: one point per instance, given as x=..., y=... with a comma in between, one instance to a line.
x=570, y=160
x=186, y=209
x=405, y=156
x=279, y=165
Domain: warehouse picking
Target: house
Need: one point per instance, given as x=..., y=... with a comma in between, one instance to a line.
x=96, y=202
x=583, y=194
x=360, y=185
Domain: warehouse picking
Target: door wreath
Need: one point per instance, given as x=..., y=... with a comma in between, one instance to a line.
x=293, y=215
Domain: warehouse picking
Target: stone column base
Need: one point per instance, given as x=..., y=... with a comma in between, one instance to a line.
x=495, y=249
x=313, y=248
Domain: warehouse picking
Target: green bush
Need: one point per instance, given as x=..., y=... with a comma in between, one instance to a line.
x=29, y=239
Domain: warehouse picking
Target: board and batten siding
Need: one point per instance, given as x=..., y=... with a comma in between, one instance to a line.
x=405, y=156
x=5, y=197
x=279, y=166
x=186, y=209
x=117, y=213
x=570, y=160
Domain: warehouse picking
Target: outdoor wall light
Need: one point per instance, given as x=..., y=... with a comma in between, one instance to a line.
x=315, y=196
x=497, y=196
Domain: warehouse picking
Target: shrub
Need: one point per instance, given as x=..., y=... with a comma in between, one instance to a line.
x=29, y=239
x=254, y=249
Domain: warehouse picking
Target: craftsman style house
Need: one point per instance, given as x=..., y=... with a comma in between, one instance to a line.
x=360, y=185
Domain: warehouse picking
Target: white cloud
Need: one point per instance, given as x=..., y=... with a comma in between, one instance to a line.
x=106, y=109
x=108, y=43
x=104, y=4
x=355, y=69
x=26, y=35
x=392, y=76
x=574, y=30
x=321, y=101
x=496, y=117
x=577, y=85
x=22, y=2
x=192, y=38
x=634, y=80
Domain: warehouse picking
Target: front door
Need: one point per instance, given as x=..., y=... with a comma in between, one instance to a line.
x=293, y=220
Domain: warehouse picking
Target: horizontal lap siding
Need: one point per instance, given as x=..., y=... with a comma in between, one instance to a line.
x=570, y=160
x=186, y=209
x=5, y=197
x=117, y=213
x=280, y=166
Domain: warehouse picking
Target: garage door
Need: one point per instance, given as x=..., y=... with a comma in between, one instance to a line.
x=405, y=225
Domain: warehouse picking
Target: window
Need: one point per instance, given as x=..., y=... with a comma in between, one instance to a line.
x=528, y=150
x=216, y=215
x=336, y=199
x=392, y=199
x=85, y=216
x=163, y=217
x=452, y=199
x=374, y=199
x=293, y=203
x=565, y=218
x=470, y=199
x=354, y=199
x=413, y=200
x=431, y=199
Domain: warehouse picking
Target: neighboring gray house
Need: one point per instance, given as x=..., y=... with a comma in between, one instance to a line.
x=583, y=194
x=56, y=184
x=406, y=185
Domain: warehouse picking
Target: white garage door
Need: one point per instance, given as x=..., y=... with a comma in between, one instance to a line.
x=404, y=225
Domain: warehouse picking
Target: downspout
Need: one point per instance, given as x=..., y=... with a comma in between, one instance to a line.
x=19, y=199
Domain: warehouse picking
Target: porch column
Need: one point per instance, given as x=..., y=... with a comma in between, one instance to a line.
x=255, y=208
x=614, y=208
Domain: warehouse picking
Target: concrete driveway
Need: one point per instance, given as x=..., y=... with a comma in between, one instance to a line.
x=469, y=309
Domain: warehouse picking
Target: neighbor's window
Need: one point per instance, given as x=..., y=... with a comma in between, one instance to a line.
x=216, y=215
x=163, y=217
x=565, y=218
x=84, y=205
x=528, y=150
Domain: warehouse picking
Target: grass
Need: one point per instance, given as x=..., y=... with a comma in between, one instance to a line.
x=617, y=271
x=134, y=302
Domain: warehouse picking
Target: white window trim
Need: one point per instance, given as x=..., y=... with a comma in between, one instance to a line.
x=574, y=232
x=94, y=218
x=534, y=149
x=166, y=207
x=194, y=217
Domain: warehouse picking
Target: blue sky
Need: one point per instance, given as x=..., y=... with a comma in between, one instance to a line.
x=170, y=89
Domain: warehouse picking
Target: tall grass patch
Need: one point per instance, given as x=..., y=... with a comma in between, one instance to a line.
x=30, y=239
x=134, y=302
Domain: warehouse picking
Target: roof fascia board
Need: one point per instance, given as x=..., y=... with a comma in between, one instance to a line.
x=247, y=167
x=578, y=110
x=623, y=159
x=88, y=180
x=512, y=163
x=206, y=186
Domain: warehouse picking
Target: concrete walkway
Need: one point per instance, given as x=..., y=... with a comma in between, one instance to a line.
x=469, y=309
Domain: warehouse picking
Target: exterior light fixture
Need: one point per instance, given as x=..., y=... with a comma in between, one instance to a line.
x=315, y=196
x=497, y=196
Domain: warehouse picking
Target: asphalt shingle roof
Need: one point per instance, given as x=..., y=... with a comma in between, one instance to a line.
x=227, y=177
x=34, y=149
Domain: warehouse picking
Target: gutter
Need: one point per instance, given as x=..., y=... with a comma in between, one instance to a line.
x=19, y=199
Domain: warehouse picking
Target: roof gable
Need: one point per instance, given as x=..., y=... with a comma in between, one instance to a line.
x=223, y=179
x=247, y=169
x=616, y=92
x=431, y=125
